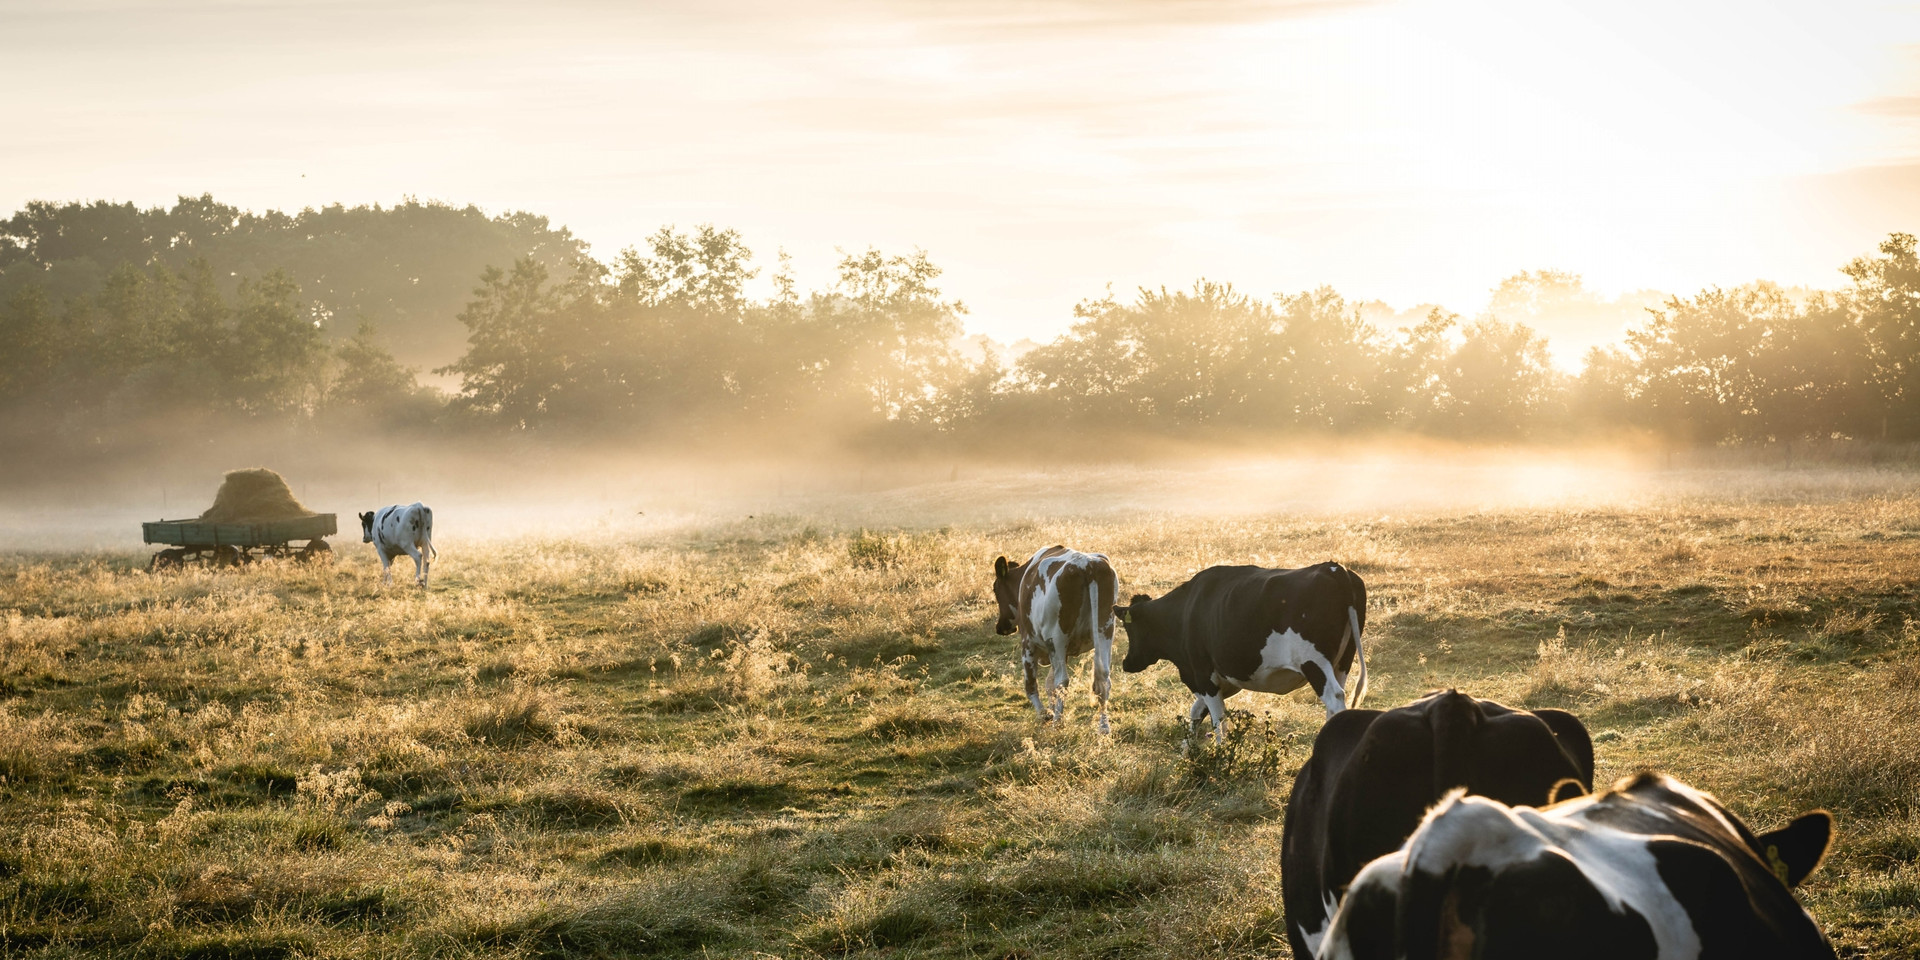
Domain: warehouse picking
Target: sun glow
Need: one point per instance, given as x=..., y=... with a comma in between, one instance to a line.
x=1410, y=151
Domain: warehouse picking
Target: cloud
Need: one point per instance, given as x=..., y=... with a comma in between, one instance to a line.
x=1082, y=16
x=1902, y=107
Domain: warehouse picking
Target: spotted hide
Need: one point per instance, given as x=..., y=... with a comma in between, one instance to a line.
x=1651, y=869
x=1060, y=602
x=1249, y=628
x=396, y=530
x=1374, y=773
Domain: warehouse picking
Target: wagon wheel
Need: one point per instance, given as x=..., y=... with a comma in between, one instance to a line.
x=316, y=551
x=167, y=560
x=227, y=556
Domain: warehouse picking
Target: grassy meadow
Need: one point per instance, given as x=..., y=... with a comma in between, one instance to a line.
x=788, y=736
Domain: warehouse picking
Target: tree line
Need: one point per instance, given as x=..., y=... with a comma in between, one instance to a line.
x=407, y=268
x=664, y=341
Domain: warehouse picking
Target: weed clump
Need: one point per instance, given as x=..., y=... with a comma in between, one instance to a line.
x=525, y=715
x=755, y=669
x=1250, y=750
x=875, y=551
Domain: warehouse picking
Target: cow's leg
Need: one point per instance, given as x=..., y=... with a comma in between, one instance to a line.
x=386, y=565
x=419, y=575
x=1028, y=666
x=1198, y=710
x=1217, y=706
x=426, y=560
x=1102, y=676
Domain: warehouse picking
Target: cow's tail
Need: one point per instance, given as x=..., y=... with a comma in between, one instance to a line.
x=1359, y=659
x=1356, y=625
x=427, y=512
x=1095, y=620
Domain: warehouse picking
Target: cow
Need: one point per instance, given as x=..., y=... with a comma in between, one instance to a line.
x=1060, y=602
x=1374, y=773
x=1651, y=868
x=1249, y=628
x=396, y=530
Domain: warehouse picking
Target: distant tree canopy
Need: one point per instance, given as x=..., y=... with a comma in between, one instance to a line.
x=112, y=315
x=667, y=340
x=407, y=268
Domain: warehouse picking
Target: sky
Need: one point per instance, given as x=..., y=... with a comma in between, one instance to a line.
x=1406, y=151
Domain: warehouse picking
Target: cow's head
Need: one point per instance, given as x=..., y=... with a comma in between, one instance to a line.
x=1142, y=646
x=366, y=527
x=1006, y=591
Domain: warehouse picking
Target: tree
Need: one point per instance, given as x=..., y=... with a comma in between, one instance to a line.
x=407, y=267
x=1886, y=302
x=1500, y=382
x=1600, y=399
x=31, y=344
x=1322, y=365
x=1700, y=373
x=883, y=335
x=1411, y=391
x=274, y=352
x=1172, y=357
x=371, y=387
x=680, y=332
x=515, y=367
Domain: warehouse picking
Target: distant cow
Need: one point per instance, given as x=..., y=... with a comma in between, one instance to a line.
x=1061, y=603
x=396, y=530
x=1374, y=773
x=1649, y=869
x=1249, y=628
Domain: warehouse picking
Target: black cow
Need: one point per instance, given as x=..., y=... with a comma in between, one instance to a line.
x=1651, y=868
x=1249, y=628
x=1374, y=773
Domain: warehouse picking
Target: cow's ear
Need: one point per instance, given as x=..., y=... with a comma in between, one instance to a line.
x=1000, y=567
x=1794, y=851
x=1567, y=789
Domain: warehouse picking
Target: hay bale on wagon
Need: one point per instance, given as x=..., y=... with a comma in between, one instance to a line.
x=255, y=495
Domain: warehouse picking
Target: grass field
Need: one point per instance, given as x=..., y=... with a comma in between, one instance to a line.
x=789, y=736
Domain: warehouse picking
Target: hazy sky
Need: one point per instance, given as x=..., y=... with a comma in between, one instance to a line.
x=1408, y=151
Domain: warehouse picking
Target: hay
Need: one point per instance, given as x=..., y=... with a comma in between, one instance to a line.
x=257, y=495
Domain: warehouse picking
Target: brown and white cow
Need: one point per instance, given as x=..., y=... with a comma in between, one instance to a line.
x=1061, y=603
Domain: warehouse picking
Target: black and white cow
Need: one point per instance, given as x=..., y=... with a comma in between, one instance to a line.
x=396, y=530
x=1373, y=774
x=1649, y=869
x=1060, y=601
x=1249, y=628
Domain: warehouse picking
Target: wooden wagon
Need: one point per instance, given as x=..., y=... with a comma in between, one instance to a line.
x=230, y=544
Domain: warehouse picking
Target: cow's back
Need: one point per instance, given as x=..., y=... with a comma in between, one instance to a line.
x=1365, y=792
x=1229, y=611
x=1084, y=586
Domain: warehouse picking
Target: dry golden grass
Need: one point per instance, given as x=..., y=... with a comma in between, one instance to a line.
x=782, y=737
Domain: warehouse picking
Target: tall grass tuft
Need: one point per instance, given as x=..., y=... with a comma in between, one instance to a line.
x=525, y=714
